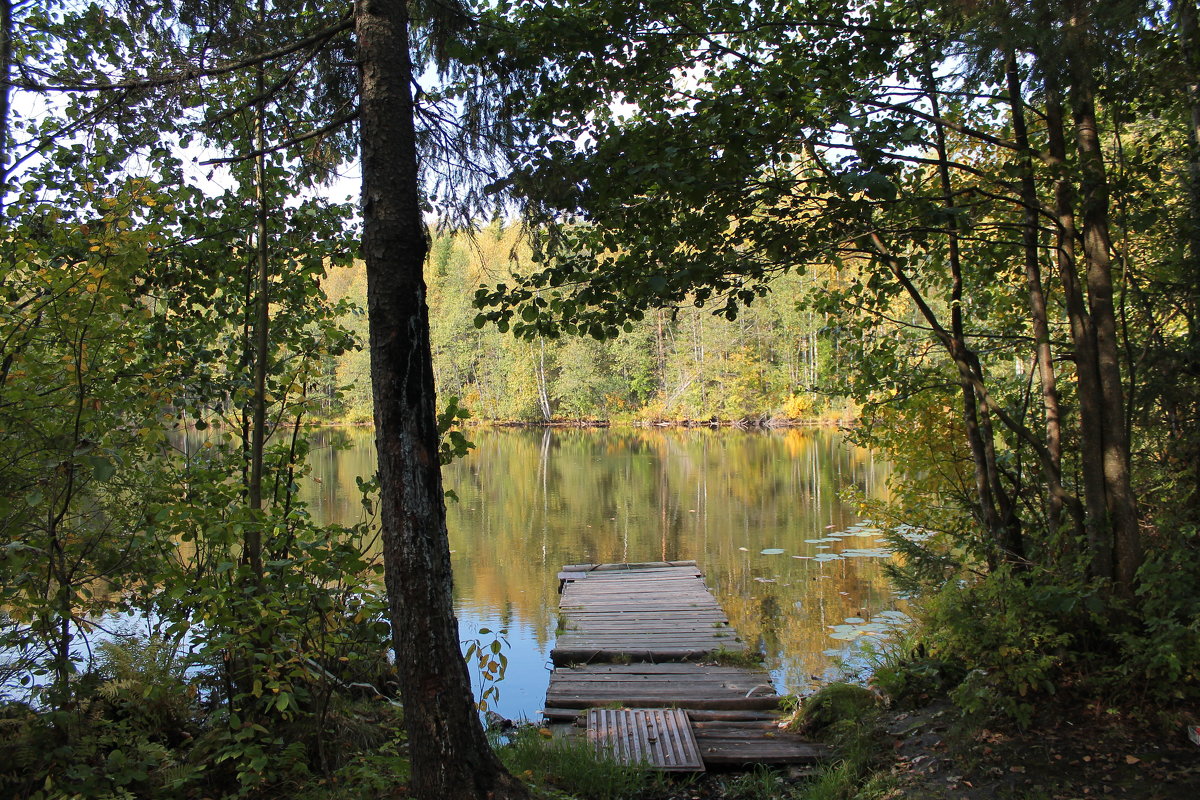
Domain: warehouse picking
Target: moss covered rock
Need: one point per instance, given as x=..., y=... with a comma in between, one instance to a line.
x=834, y=703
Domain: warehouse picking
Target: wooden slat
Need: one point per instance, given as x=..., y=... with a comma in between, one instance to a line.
x=645, y=611
x=663, y=617
x=729, y=743
x=660, y=738
x=687, y=670
x=698, y=686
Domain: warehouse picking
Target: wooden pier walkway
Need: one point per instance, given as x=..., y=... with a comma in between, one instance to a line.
x=646, y=659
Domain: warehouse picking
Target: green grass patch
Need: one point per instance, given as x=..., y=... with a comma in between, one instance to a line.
x=553, y=766
x=747, y=658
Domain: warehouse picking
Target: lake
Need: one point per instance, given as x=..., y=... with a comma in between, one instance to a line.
x=771, y=517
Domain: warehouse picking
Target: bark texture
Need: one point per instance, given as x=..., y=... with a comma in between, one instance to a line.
x=994, y=506
x=1099, y=536
x=5, y=76
x=1097, y=249
x=1038, y=314
x=450, y=755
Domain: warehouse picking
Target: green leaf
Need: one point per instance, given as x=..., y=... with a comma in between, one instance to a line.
x=102, y=468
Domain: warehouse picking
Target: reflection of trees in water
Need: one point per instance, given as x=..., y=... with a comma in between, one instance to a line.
x=533, y=500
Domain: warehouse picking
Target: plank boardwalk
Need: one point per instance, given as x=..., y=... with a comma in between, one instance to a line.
x=644, y=655
x=659, y=736
x=640, y=612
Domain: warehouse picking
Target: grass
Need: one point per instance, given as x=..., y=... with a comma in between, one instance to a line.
x=573, y=766
x=855, y=772
x=760, y=783
x=735, y=658
x=570, y=769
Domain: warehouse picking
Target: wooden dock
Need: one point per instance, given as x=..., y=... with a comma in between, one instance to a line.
x=650, y=644
x=639, y=612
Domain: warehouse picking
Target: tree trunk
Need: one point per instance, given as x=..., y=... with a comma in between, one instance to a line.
x=262, y=333
x=543, y=386
x=1190, y=43
x=1037, y=298
x=450, y=755
x=1099, y=536
x=995, y=508
x=5, y=75
x=1097, y=246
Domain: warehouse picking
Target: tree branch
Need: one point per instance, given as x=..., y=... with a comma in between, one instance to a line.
x=324, y=129
x=193, y=74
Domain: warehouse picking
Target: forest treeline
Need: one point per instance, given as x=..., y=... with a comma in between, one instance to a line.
x=779, y=361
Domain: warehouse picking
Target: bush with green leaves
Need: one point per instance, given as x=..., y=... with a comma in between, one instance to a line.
x=1157, y=658
x=123, y=734
x=998, y=641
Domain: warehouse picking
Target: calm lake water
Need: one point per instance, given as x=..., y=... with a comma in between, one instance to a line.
x=770, y=517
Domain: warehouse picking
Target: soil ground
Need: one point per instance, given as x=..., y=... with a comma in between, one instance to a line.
x=1065, y=755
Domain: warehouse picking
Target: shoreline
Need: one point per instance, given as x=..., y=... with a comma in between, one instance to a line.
x=744, y=423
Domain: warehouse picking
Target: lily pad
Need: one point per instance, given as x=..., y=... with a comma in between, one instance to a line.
x=771, y=551
x=846, y=632
x=867, y=552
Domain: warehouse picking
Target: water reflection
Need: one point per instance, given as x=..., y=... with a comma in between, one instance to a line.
x=763, y=513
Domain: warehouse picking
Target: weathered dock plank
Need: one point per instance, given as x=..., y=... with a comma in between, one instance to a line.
x=649, y=612
x=740, y=743
x=688, y=685
x=668, y=636
x=660, y=738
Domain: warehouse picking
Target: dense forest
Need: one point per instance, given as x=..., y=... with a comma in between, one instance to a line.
x=775, y=363
x=973, y=225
